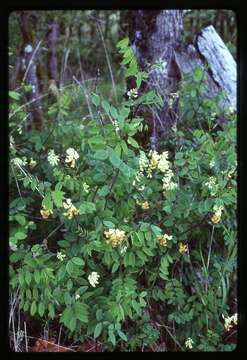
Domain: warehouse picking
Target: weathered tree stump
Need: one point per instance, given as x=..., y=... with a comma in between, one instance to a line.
x=209, y=49
x=221, y=63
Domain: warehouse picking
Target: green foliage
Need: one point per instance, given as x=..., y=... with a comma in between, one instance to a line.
x=60, y=215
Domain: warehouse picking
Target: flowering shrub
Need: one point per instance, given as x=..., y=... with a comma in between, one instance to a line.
x=122, y=243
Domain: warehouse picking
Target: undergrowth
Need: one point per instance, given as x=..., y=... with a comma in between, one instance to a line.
x=135, y=248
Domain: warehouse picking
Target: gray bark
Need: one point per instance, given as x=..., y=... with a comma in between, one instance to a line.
x=157, y=38
x=221, y=75
x=52, y=39
x=29, y=68
x=157, y=34
x=187, y=61
x=33, y=96
x=221, y=63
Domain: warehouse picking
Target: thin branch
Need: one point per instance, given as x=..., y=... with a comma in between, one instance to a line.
x=31, y=60
x=17, y=184
x=53, y=232
x=108, y=61
x=173, y=338
x=25, y=332
x=85, y=94
x=210, y=247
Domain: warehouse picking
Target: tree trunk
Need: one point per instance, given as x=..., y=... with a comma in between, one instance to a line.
x=29, y=68
x=52, y=39
x=52, y=66
x=156, y=34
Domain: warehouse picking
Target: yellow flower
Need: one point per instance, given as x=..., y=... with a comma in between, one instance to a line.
x=164, y=164
x=212, y=185
x=72, y=210
x=45, y=213
x=145, y=205
x=67, y=204
x=114, y=237
x=163, y=239
x=155, y=157
x=153, y=164
x=216, y=218
x=183, y=248
x=217, y=215
x=230, y=321
x=72, y=155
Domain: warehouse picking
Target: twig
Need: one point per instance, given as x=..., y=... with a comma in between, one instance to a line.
x=210, y=247
x=17, y=184
x=63, y=68
x=59, y=335
x=30, y=177
x=112, y=184
x=108, y=61
x=13, y=304
x=13, y=327
x=53, y=231
x=85, y=94
x=173, y=338
x=25, y=332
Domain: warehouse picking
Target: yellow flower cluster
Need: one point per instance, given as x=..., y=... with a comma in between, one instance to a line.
x=217, y=215
x=114, y=237
x=144, y=205
x=143, y=162
x=230, y=321
x=162, y=163
x=71, y=209
x=212, y=186
x=45, y=213
x=183, y=248
x=154, y=159
x=163, y=239
x=72, y=156
x=152, y=162
x=167, y=183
